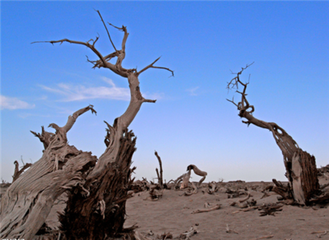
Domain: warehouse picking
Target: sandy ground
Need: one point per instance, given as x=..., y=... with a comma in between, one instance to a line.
x=173, y=213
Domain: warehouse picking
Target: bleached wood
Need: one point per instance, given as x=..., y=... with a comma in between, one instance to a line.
x=297, y=181
x=28, y=201
x=198, y=172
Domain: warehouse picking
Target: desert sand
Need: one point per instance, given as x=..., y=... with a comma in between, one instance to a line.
x=173, y=213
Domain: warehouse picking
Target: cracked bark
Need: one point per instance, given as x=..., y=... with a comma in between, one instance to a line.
x=29, y=199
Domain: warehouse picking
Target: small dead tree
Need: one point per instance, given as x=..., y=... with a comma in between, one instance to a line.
x=160, y=175
x=97, y=193
x=300, y=166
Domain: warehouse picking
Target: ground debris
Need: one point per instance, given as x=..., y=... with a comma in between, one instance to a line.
x=208, y=209
x=269, y=209
x=320, y=234
x=264, y=237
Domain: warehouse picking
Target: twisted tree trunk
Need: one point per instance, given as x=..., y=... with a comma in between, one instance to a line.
x=300, y=166
x=102, y=213
x=97, y=192
x=28, y=201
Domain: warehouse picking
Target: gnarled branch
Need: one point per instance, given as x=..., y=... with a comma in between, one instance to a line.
x=198, y=172
x=285, y=142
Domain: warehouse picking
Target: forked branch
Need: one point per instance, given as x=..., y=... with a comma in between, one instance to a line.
x=151, y=66
x=108, y=34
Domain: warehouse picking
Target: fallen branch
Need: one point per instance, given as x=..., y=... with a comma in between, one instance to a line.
x=155, y=194
x=218, y=206
x=246, y=209
x=264, y=237
x=165, y=236
x=269, y=209
x=320, y=233
x=228, y=230
x=193, y=230
x=212, y=188
x=194, y=190
x=245, y=199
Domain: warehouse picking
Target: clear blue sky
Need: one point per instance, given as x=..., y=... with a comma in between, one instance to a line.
x=191, y=123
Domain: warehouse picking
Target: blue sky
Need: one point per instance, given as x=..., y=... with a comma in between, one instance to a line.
x=191, y=122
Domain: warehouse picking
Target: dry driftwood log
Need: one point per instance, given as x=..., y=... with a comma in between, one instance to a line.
x=300, y=166
x=269, y=209
x=185, y=178
x=212, y=187
x=198, y=172
x=193, y=230
x=191, y=190
x=217, y=206
x=97, y=193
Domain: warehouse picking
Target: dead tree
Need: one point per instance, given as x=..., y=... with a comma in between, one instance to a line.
x=160, y=175
x=28, y=201
x=97, y=193
x=300, y=166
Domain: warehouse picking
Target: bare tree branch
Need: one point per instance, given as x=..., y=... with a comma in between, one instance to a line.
x=87, y=44
x=108, y=34
x=151, y=66
x=149, y=100
x=124, y=40
x=71, y=119
x=45, y=137
x=236, y=80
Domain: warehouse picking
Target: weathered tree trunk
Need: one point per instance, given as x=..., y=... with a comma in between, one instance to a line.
x=103, y=211
x=97, y=193
x=304, y=173
x=28, y=201
x=300, y=166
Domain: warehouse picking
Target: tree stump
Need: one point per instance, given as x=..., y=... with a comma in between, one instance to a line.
x=305, y=182
x=104, y=210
